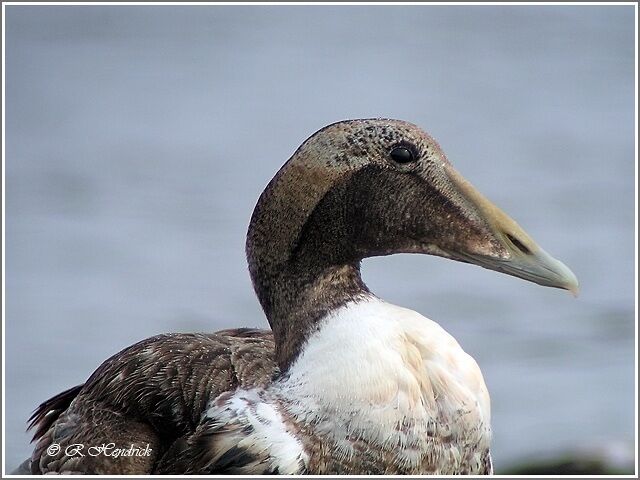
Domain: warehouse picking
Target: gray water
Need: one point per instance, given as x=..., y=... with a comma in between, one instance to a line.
x=139, y=138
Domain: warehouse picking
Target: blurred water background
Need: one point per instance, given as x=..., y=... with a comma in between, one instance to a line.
x=139, y=138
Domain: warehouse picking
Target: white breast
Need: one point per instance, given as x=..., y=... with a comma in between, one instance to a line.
x=391, y=377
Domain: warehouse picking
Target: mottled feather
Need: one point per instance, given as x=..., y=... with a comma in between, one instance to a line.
x=157, y=391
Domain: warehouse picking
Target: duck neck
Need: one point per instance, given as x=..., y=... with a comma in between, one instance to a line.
x=302, y=264
x=296, y=301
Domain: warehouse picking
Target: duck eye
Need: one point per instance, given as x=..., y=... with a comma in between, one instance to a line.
x=402, y=155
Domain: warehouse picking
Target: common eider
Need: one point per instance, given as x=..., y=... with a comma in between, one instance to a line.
x=344, y=383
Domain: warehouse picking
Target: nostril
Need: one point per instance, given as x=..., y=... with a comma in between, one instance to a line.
x=518, y=244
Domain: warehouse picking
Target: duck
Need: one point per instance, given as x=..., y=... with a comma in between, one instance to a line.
x=344, y=382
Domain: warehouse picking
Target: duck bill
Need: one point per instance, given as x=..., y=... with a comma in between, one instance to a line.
x=538, y=267
x=507, y=248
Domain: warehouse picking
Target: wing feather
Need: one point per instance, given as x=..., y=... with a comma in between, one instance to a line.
x=153, y=393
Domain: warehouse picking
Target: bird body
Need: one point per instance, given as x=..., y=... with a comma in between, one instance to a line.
x=344, y=383
x=378, y=388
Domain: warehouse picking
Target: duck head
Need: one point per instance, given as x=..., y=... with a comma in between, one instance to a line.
x=363, y=188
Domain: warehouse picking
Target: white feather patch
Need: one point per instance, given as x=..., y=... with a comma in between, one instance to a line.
x=268, y=439
x=393, y=378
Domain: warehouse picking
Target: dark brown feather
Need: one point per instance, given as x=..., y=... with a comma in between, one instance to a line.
x=150, y=394
x=48, y=411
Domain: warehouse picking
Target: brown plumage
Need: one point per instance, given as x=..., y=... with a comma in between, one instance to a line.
x=152, y=392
